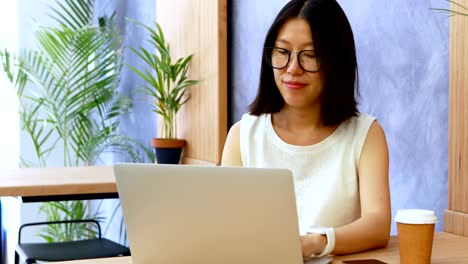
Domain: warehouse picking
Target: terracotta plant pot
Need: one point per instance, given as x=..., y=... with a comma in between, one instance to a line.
x=168, y=151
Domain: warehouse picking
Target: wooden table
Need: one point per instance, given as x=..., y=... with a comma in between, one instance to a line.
x=45, y=184
x=447, y=249
x=58, y=184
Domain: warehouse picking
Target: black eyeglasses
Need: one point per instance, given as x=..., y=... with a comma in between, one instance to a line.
x=279, y=58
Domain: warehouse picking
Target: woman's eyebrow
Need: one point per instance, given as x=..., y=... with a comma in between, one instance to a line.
x=283, y=41
x=287, y=42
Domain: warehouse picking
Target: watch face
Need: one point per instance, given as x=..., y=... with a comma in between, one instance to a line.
x=364, y=261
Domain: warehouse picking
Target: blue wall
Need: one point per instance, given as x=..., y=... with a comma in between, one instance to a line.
x=403, y=50
x=140, y=124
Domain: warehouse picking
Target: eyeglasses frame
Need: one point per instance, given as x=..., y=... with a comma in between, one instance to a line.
x=298, y=53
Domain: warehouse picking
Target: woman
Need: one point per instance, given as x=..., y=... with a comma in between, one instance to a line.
x=305, y=118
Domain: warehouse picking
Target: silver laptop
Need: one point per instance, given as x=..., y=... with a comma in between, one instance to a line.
x=209, y=215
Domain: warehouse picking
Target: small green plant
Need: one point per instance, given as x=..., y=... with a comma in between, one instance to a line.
x=168, y=85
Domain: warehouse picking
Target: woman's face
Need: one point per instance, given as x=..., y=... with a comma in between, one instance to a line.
x=299, y=88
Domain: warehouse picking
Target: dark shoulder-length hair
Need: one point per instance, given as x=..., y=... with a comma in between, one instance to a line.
x=336, y=53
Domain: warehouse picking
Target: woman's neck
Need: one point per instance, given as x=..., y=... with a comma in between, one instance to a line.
x=294, y=119
x=300, y=127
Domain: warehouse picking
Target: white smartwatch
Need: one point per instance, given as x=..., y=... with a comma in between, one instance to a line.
x=329, y=232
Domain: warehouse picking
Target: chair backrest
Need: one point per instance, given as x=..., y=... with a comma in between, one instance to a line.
x=68, y=250
x=60, y=222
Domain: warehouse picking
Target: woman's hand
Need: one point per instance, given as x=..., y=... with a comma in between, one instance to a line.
x=312, y=244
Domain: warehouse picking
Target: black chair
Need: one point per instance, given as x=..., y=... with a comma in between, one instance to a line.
x=71, y=250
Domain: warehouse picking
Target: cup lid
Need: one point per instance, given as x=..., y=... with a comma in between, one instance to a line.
x=416, y=216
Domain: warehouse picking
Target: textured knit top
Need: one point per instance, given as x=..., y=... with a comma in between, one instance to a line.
x=325, y=174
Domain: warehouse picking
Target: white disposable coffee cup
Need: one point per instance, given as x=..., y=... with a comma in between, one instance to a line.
x=415, y=235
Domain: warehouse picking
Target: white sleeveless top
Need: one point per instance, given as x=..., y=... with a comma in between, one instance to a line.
x=325, y=174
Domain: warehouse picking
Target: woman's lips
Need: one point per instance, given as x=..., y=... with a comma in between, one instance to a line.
x=294, y=85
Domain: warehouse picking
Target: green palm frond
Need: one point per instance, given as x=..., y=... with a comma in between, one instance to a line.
x=453, y=12
x=13, y=67
x=7, y=62
x=67, y=210
x=74, y=14
x=40, y=132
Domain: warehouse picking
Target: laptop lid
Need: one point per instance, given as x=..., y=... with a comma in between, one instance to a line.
x=203, y=214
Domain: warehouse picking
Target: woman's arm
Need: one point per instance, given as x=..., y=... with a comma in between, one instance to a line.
x=372, y=229
x=231, y=152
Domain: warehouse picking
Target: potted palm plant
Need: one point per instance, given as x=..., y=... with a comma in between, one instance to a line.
x=69, y=101
x=167, y=84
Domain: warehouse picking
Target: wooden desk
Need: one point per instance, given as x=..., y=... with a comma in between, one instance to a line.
x=65, y=183
x=447, y=249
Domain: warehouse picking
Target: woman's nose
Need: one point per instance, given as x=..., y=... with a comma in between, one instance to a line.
x=294, y=67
